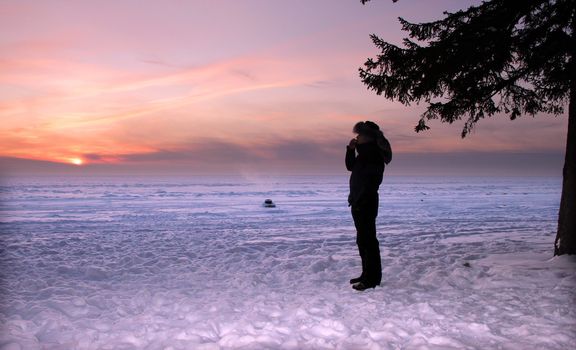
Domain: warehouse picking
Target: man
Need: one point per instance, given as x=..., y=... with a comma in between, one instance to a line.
x=367, y=169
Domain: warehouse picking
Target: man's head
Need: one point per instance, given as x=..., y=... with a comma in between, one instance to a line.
x=367, y=131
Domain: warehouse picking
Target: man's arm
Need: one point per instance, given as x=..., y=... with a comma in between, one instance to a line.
x=351, y=155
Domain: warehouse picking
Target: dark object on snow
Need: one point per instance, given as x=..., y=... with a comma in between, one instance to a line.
x=269, y=204
x=467, y=264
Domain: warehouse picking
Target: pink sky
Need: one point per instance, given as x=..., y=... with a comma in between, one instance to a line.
x=220, y=86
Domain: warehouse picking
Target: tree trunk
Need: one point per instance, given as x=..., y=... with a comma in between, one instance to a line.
x=566, y=236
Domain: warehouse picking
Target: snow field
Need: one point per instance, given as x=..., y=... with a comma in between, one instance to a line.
x=190, y=264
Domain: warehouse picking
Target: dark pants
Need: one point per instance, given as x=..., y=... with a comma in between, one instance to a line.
x=364, y=216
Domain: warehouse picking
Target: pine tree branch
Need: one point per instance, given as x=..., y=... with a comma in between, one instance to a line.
x=497, y=57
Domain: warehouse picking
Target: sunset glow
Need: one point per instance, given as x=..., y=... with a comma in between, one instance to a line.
x=259, y=84
x=76, y=161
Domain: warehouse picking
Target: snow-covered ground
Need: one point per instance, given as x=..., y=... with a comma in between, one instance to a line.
x=198, y=263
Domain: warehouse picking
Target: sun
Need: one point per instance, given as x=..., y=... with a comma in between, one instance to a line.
x=76, y=161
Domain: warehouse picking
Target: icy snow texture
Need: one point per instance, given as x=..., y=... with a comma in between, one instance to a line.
x=198, y=263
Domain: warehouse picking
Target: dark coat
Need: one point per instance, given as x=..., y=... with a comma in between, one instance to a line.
x=367, y=170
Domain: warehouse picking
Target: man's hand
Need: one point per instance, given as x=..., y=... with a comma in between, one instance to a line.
x=352, y=144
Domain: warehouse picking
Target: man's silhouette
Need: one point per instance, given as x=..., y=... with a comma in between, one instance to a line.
x=366, y=156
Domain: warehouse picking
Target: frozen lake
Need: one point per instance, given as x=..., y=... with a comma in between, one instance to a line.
x=199, y=263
